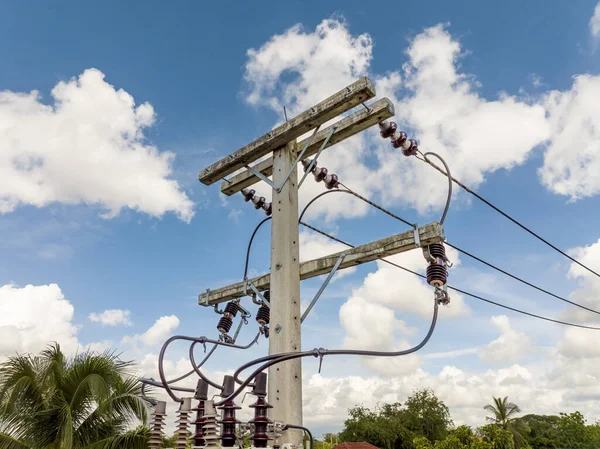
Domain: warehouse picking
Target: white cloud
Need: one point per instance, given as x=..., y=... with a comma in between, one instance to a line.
x=440, y=106
x=111, y=317
x=595, y=22
x=33, y=317
x=314, y=245
x=572, y=161
x=88, y=148
x=157, y=333
x=446, y=114
x=509, y=347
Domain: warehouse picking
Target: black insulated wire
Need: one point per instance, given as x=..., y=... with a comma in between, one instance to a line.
x=515, y=221
x=521, y=280
x=449, y=198
x=250, y=245
x=306, y=430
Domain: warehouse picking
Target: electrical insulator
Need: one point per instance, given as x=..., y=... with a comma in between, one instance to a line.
x=228, y=420
x=437, y=250
x=263, y=315
x=225, y=324
x=320, y=173
x=268, y=208
x=306, y=163
x=201, y=395
x=398, y=139
x=387, y=129
x=232, y=308
x=248, y=194
x=260, y=420
x=331, y=181
x=182, y=423
x=210, y=427
x=437, y=273
x=410, y=148
x=258, y=201
x=158, y=424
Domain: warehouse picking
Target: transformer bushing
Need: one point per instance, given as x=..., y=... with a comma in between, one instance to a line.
x=260, y=421
x=201, y=395
x=228, y=419
x=210, y=426
x=183, y=422
x=158, y=424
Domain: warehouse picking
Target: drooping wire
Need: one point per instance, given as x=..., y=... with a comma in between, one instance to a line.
x=250, y=245
x=441, y=221
x=521, y=280
x=368, y=201
x=273, y=359
x=306, y=431
x=449, y=198
x=472, y=295
x=515, y=221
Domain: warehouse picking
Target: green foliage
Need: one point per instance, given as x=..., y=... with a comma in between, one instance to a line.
x=88, y=402
x=496, y=436
x=395, y=426
x=426, y=415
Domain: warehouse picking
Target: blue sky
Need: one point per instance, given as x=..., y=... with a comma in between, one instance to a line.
x=92, y=207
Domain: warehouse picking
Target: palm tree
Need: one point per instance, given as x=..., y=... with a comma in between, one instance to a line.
x=504, y=415
x=85, y=402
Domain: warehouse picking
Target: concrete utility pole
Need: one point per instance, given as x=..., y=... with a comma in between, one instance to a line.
x=283, y=281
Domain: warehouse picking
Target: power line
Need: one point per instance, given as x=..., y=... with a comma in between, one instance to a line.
x=464, y=292
x=515, y=221
x=521, y=280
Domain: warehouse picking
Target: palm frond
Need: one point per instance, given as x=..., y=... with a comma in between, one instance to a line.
x=8, y=442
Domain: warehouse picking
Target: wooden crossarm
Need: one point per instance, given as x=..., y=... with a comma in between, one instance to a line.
x=345, y=128
x=327, y=109
x=395, y=244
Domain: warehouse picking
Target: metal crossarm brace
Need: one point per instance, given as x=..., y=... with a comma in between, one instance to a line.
x=345, y=128
x=395, y=244
x=322, y=288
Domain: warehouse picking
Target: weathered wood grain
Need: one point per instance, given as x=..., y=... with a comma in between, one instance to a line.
x=395, y=244
x=345, y=128
x=327, y=109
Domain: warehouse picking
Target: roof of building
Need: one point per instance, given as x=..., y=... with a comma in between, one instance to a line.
x=355, y=445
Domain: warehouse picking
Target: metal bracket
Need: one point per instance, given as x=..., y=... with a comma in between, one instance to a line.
x=298, y=159
x=205, y=300
x=314, y=161
x=261, y=176
x=322, y=288
x=416, y=235
x=259, y=294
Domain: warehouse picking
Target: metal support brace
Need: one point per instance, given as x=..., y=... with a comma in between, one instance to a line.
x=298, y=159
x=261, y=176
x=323, y=286
x=259, y=294
x=314, y=161
x=205, y=302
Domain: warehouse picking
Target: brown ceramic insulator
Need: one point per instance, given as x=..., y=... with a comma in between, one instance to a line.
x=398, y=139
x=228, y=424
x=437, y=274
x=263, y=315
x=224, y=324
x=387, y=129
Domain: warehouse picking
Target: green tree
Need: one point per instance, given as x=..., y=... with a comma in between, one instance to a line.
x=427, y=416
x=539, y=431
x=504, y=415
x=86, y=402
x=496, y=437
x=572, y=431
